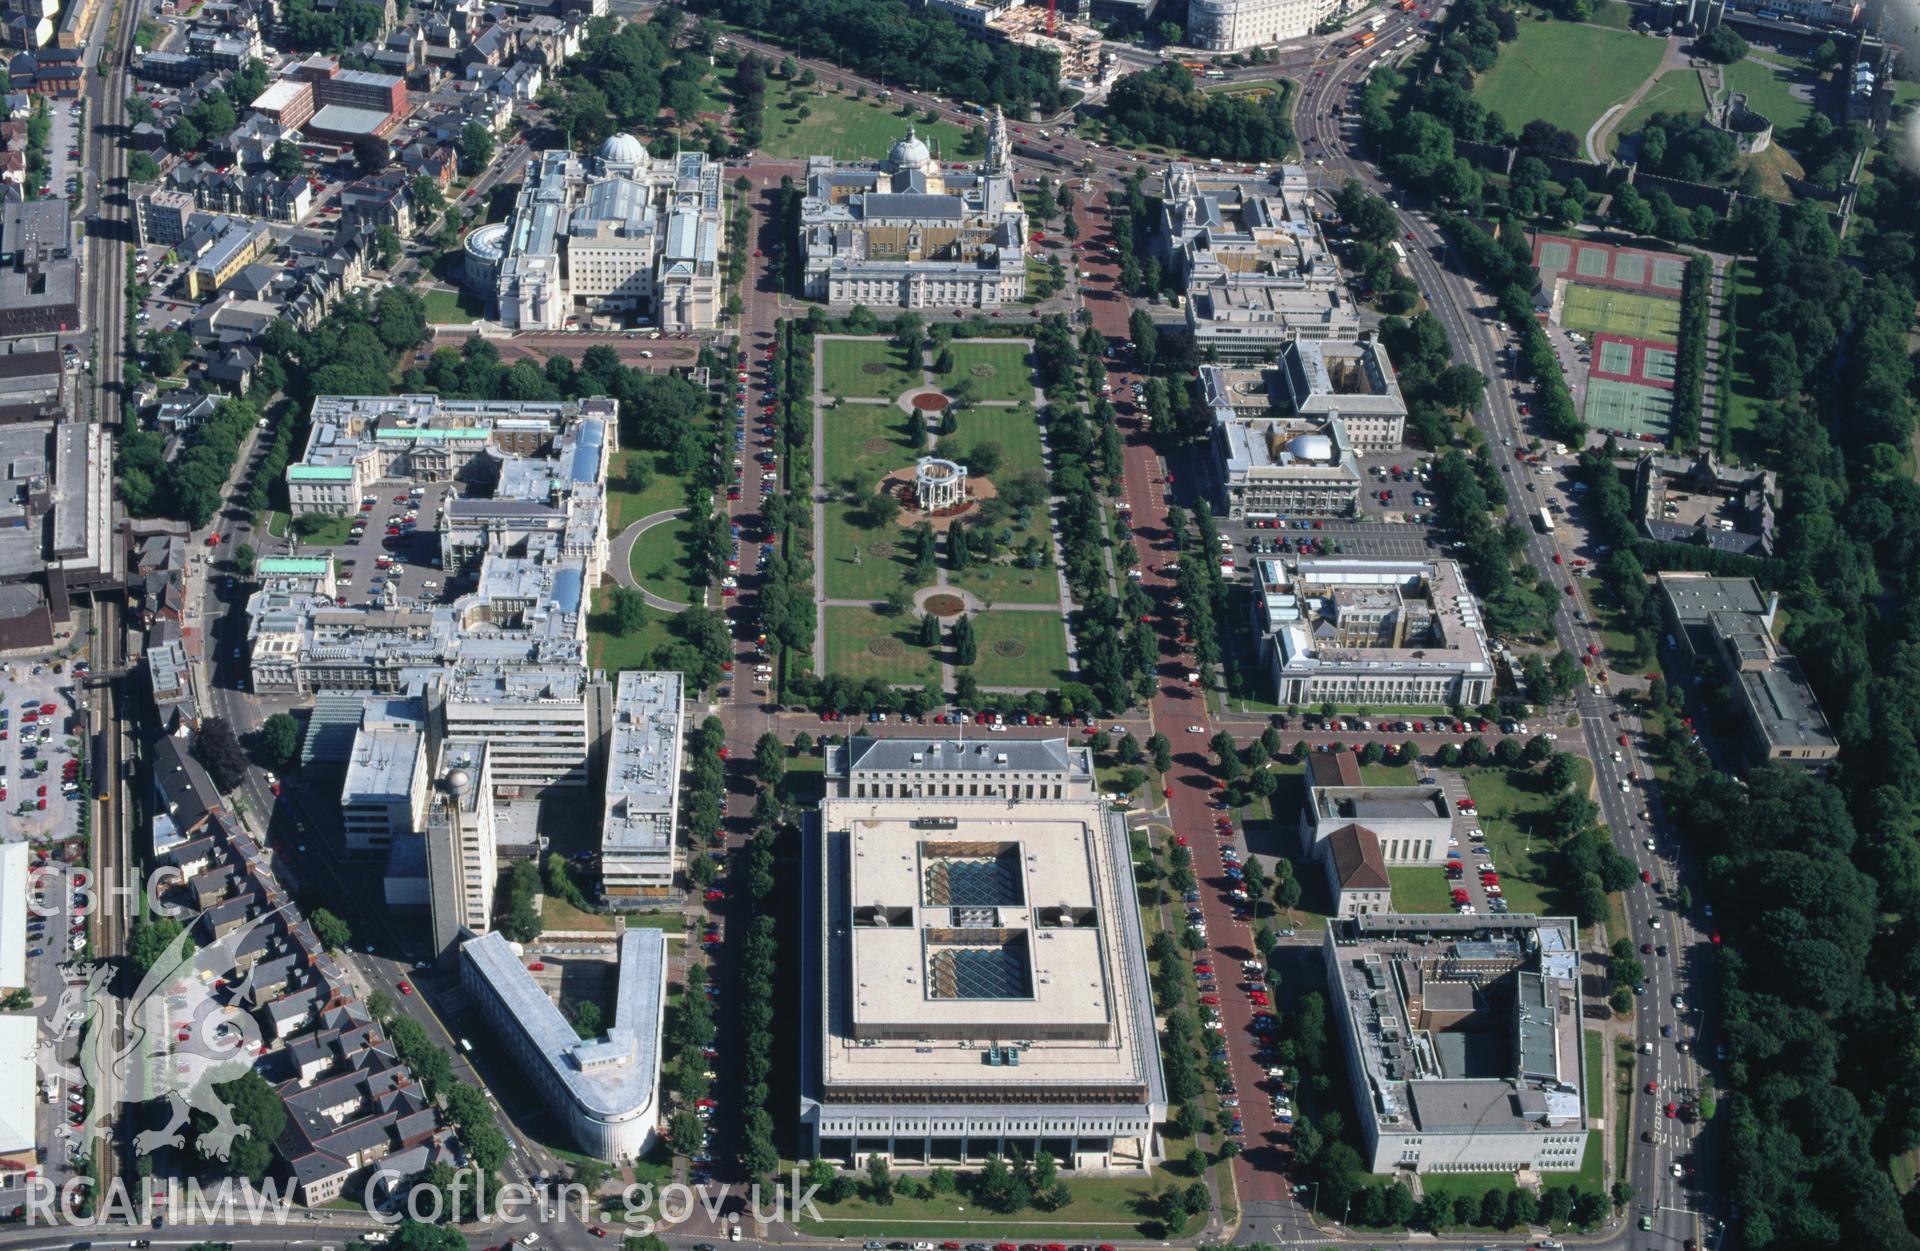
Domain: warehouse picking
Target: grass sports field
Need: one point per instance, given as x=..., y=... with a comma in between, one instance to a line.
x=1593, y=310
x=1534, y=73
x=842, y=127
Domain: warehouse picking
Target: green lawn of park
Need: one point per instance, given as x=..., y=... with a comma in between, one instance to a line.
x=997, y=371
x=1567, y=73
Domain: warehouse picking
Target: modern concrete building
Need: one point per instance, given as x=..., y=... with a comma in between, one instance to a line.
x=384, y=796
x=911, y=232
x=14, y=907
x=624, y=235
x=1728, y=623
x=638, y=851
x=463, y=856
x=975, y=972
x=39, y=270
x=537, y=721
x=1235, y=25
x=1463, y=1041
x=1381, y=632
x=1409, y=825
x=19, y=1080
x=914, y=768
x=605, y=1090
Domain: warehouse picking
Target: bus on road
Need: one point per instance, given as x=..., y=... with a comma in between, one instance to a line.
x=1546, y=522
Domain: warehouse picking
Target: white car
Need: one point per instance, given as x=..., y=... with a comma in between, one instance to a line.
x=1194, y=729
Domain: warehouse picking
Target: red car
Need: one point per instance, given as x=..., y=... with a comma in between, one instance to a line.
x=537, y=967
x=1623, y=740
x=715, y=896
x=1646, y=876
x=404, y=988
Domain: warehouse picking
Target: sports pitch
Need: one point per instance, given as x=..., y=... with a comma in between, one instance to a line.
x=1628, y=406
x=1623, y=313
x=1640, y=361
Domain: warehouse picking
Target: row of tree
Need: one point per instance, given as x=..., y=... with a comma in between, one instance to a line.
x=1117, y=652
x=754, y=880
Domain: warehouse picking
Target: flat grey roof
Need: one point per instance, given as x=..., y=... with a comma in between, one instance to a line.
x=1695, y=599
x=1789, y=714
x=643, y=764
x=383, y=764
x=609, y=1077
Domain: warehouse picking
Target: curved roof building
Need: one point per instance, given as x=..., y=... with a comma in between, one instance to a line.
x=606, y=1089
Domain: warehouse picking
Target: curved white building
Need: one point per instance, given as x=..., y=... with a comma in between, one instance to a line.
x=606, y=1089
x=1232, y=25
x=482, y=251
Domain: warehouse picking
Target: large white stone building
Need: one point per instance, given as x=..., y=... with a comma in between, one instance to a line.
x=975, y=977
x=1232, y=25
x=1253, y=261
x=623, y=235
x=1381, y=632
x=911, y=232
x=1463, y=1040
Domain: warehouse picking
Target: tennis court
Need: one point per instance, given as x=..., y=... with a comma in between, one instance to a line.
x=1622, y=313
x=1642, y=361
x=1605, y=265
x=1628, y=408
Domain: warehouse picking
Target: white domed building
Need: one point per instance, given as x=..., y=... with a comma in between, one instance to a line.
x=1278, y=467
x=911, y=232
x=621, y=235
